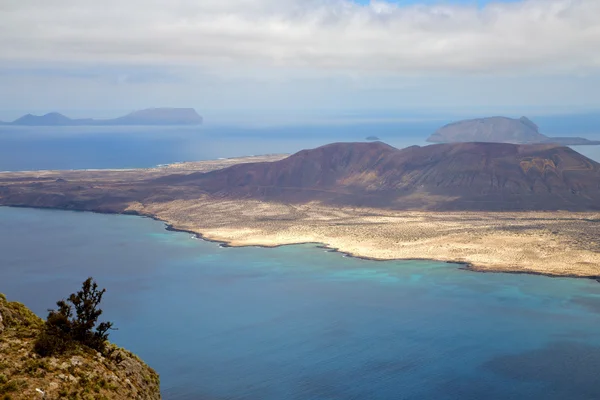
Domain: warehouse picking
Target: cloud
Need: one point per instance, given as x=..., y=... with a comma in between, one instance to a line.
x=238, y=36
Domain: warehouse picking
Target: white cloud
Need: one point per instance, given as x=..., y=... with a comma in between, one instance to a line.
x=532, y=36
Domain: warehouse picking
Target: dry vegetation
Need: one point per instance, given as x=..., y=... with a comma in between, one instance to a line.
x=80, y=374
x=552, y=243
x=132, y=175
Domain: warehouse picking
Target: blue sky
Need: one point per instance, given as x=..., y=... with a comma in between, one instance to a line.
x=300, y=56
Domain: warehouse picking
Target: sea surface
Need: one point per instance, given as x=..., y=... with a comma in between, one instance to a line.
x=35, y=148
x=302, y=323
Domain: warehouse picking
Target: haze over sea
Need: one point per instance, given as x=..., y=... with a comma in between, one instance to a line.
x=33, y=148
x=295, y=322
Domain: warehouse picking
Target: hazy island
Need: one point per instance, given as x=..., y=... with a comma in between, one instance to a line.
x=492, y=206
x=147, y=117
x=500, y=130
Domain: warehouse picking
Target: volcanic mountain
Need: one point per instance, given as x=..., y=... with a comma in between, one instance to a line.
x=460, y=176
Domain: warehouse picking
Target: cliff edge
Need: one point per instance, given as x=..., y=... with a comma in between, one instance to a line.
x=81, y=374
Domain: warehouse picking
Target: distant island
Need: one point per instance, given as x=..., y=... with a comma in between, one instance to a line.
x=372, y=138
x=501, y=130
x=147, y=117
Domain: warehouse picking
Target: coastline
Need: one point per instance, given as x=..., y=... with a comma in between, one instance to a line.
x=198, y=234
x=549, y=243
x=461, y=265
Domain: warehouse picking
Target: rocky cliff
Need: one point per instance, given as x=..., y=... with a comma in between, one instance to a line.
x=81, y=374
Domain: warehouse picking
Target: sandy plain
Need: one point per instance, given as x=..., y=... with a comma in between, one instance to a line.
x=550, y=243
x=554, y=243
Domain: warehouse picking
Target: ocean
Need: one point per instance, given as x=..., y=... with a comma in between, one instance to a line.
x=35, y=148
x=303, y=323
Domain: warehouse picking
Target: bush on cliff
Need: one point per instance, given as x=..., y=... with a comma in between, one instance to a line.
x=74, y=322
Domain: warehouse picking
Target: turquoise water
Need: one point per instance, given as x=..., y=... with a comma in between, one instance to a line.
x=301, y=323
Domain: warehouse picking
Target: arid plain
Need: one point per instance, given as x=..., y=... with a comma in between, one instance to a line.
x=556, y=243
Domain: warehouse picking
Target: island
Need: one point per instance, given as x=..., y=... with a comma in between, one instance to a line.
x=487, y=206
x=372, y=138
x=500, y=130
x=147, y=117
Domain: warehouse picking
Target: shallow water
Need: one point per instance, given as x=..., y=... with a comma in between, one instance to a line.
x=298, y=322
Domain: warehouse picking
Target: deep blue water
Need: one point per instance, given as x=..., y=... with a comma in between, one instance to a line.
x=26, y=148
x=301, y=323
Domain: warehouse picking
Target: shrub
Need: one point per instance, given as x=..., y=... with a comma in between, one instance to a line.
x=63, y=328
x=12, y=386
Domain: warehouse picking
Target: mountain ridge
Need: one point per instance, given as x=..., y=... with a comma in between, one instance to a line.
x=459, y=176
x=441, y=177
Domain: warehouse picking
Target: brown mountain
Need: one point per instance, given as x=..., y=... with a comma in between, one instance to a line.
x=461, y=176
x=458, y=176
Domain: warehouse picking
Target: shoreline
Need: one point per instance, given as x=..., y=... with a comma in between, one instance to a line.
x=461, y=265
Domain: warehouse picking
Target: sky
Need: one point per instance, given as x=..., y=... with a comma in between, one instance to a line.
x=100, y=58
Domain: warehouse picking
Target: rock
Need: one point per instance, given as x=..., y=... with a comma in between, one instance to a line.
x=76, y=361
x=63, y=372
x=67, y=378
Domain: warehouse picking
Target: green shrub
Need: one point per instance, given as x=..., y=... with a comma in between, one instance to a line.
x=51, y=342
x=63, y=328
x=11, y=386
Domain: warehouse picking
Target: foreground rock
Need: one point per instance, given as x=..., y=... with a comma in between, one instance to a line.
x=82, y=374
x=500, y=130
